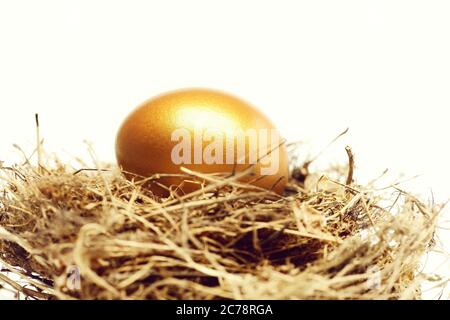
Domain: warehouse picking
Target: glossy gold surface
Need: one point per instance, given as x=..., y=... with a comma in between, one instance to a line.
x=144, y=145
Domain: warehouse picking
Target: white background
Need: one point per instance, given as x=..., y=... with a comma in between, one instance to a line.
x=381, y=68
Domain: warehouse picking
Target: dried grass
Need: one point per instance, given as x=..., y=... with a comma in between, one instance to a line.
x=326, y=238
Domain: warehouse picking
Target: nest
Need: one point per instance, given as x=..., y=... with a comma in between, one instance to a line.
x=92, y=234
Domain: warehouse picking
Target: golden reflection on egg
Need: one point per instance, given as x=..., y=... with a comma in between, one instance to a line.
x=205, y=131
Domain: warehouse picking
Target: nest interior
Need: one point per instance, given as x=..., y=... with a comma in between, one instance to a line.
x=92, y=234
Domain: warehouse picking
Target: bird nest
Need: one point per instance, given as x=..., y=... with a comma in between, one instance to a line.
x=92, y=234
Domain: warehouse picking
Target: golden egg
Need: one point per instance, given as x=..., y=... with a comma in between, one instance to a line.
x=205, y=131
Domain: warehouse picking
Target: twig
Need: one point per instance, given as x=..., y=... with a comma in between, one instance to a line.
x=38, y=139
x=351, y=163
x=89, y=169
x=26, y=291
x=326, y=147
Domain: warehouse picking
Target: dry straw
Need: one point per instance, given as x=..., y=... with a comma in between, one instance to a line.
x=326, y=238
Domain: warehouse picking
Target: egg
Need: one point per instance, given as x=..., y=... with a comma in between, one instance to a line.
x=205, y=131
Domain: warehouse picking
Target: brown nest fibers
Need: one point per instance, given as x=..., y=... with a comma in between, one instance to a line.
x=92, y=234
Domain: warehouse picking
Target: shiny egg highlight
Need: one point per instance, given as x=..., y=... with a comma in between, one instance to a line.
x=205, y=131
